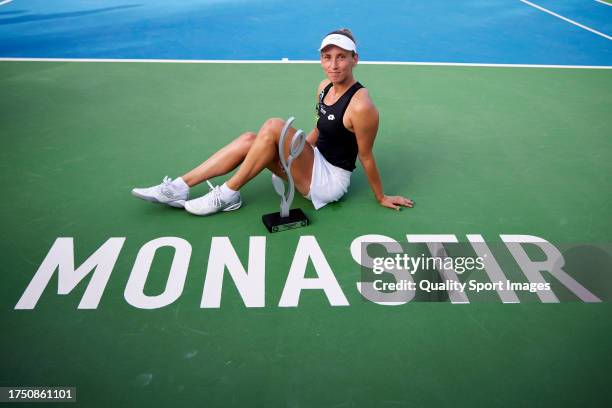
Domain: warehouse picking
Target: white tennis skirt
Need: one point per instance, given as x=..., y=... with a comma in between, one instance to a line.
x=329, y=183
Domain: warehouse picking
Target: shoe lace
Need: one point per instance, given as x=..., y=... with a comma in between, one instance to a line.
x=166, y=187
x=215, y=197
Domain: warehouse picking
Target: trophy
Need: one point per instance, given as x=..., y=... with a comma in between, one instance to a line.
x=287, y=219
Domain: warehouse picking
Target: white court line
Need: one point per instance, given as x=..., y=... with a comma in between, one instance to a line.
x=603, y=2
x=2, y=3
x=286, y=61
x=567, y=19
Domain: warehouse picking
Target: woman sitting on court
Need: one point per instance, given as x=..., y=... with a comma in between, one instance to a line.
x=346, y=128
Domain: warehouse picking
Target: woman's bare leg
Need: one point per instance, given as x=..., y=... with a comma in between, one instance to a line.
x=263, y=153
x=223, y=161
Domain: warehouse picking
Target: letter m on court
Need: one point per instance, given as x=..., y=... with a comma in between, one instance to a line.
x=61, y=258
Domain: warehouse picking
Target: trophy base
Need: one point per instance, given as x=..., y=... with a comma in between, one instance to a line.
x=275, y=223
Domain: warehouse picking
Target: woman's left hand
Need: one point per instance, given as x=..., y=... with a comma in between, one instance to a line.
x=396, y=202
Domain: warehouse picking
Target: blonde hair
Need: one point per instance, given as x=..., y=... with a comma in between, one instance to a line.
x=347, y=33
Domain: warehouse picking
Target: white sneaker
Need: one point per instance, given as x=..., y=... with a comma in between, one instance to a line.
x=212, y=203
x=164, y=193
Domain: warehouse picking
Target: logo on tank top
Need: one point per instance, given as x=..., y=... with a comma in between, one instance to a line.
x=331, y=117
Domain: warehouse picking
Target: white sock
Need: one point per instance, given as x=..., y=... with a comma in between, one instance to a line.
x=227, y=193
x=180, y=184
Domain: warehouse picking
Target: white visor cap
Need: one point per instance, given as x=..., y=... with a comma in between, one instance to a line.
x=338, y=40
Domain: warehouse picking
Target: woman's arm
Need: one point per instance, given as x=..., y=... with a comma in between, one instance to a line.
x=364, y=119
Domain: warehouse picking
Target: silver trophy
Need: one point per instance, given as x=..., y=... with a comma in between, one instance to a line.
x=287, y=219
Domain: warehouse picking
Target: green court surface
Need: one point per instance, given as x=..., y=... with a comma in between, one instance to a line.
x=481, y=150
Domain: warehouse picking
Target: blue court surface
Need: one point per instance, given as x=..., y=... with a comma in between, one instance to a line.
x=477, y=31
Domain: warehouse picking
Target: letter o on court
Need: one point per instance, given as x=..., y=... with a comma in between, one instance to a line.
x=134, y=290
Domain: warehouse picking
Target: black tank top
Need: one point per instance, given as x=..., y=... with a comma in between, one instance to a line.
x=336, y=143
